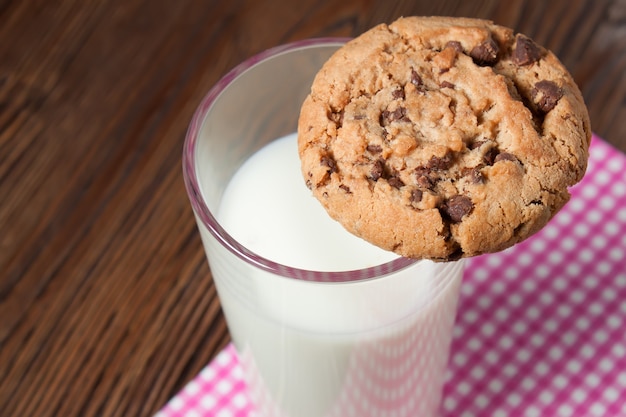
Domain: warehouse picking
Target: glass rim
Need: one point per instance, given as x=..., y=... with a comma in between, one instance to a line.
x=205, y=215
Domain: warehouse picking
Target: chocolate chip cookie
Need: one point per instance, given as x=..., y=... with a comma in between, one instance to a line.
x=443, y=138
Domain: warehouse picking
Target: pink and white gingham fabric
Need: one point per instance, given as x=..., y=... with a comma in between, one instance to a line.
x=541, y=327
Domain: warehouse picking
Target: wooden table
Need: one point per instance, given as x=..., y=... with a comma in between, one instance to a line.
x=107, y=306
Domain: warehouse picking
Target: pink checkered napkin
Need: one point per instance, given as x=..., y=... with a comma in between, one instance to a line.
x=218, y=390
x=540, y=329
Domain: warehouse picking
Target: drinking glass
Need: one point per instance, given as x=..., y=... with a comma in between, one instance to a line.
x=367, y=342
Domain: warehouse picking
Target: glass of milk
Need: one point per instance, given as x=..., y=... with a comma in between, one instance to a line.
x=325, y=324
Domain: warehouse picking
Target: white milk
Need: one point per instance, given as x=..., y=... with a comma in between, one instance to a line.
x=368, y=348
x=268, y=209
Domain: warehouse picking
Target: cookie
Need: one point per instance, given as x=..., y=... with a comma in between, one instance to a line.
x=443, y=138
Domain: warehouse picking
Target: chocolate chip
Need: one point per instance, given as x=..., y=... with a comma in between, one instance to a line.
x=423, y=178
x=425, y=181
x=505, y=156
x=474, y=175
x=456, y=207
x=526, y=51
x=345, y=188
x=416, y=80
x=398, y=93
x=440, y=163
x=486, y=53
x=456, y=45
x=395, y=181
x=374, y=148
x=398, y=114
x=546, y=94
x=377, y=170
x=490, y=156
x=329, y=162
x=446, y=84
x=416, y=195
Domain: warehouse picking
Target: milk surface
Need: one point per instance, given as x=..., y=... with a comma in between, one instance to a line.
x=268, y=209
x=367, y=348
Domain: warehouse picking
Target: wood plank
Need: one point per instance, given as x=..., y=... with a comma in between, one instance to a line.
x=107, y=307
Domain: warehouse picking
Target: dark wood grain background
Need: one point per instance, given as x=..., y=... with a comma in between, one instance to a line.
x=107, y=307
